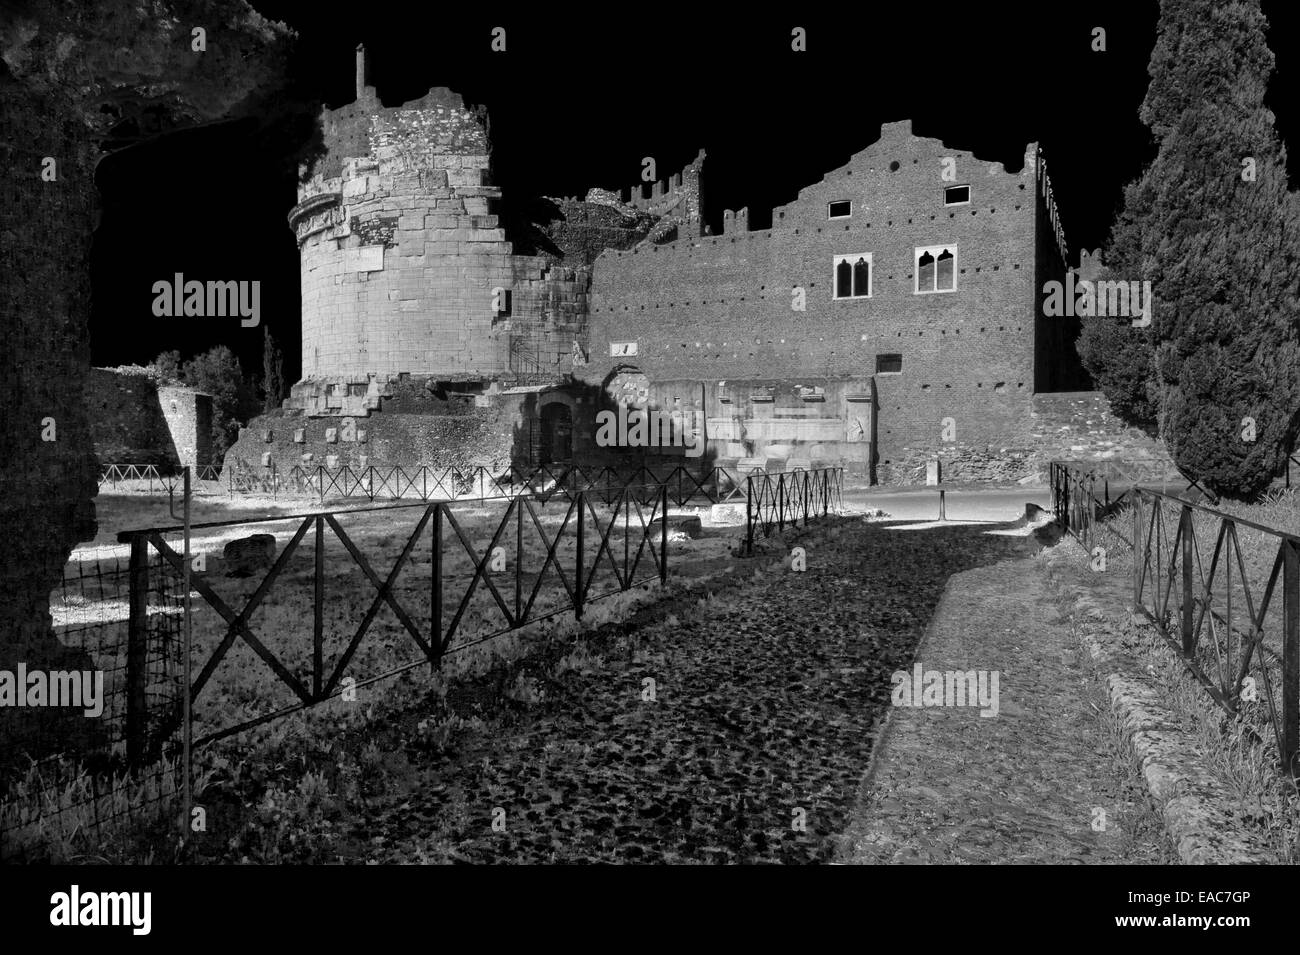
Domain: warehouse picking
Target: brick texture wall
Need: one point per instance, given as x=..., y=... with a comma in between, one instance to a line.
x=720, y=308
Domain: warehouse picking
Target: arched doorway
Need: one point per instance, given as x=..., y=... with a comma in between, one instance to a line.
x=556, y=434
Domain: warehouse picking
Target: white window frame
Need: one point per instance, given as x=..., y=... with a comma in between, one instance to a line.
x=934, y=250
x=833, y=202
x=871, y=275
x=957, y=185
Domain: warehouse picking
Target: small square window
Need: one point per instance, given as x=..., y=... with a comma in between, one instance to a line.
x=956, y=196
x=840, y=210
x=889, y=364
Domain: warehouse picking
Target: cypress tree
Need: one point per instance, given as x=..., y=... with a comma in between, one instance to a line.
x=1212, y=226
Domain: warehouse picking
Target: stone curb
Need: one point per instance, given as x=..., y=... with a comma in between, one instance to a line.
x=1201, y=816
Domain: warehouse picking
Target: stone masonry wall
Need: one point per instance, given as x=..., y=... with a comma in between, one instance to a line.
x=402, y=253
x=135, y=421
x=482, y=437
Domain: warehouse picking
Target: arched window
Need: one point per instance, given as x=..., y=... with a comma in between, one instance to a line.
x=943, y=279
x=843, y=279
x=925, y=273
x=853, y=275
x=861, y=276
x=936, y=269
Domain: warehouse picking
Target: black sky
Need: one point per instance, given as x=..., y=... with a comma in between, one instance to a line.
x=577, y=101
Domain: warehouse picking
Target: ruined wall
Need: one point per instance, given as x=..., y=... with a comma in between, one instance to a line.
x=188, y=414
x=676, y=204
x=402, y=253
x=579, y=231
x=46, y=486
x=129, y=426
x=138, y=422
x=720, y=308
x=72, y=77
x=469, y=438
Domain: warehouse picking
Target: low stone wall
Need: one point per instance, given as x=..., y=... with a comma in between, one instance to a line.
x=1071, y=426
x=380, y=440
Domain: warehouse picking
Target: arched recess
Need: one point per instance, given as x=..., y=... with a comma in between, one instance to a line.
x=555, y=432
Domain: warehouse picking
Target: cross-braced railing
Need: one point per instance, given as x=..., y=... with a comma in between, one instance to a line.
x=1224, y=618
x=775, y=501
x=449, y=587
x=717, y=485
x=1080, y=504
x=161, y=477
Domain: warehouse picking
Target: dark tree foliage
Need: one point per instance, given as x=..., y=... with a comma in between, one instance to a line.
x=234, y=398
x=167, y=366
x=272, y=371
x=1212, y=226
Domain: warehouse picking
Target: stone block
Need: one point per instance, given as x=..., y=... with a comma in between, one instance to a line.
x=266, y=459
x=727, y=514
x=331, y=435
x=246, y=555
x=299, y=435
x=680, y=526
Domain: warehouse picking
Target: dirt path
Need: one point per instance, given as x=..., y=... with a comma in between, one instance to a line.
x=1037, y=783
x=752, y=750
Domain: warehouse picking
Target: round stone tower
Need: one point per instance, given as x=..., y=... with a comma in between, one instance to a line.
x=404, y=266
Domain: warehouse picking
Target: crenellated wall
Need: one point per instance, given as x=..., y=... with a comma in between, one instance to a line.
x=726, y=308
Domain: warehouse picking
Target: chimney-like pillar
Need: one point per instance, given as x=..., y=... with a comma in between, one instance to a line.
x=361, y=71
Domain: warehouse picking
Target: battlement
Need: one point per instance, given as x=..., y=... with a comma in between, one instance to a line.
x=679, y=196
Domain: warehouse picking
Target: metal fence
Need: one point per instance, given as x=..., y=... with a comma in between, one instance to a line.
x=1223, y=619
x=153, y=477
x=350, y=598
x=1219, y=610
x=714, y=486
x=64, y=776
x=503, y=588
x=789, y=499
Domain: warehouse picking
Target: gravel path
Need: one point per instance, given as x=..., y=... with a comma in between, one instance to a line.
x=766, y=693
x=1037, y=783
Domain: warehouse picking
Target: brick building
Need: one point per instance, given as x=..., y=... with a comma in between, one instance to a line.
x=890, y=315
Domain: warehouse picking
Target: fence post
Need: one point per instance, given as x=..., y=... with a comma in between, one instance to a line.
x=582, y=556
x=1185, y=530
x=435, y=597
x=663, y=540
x=518, y=505
x=187, y=697
x=1139, y=550
x=137, y=649
x=1290, y=655
x=780, y=502
x=318, y=600
x=749, y=516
